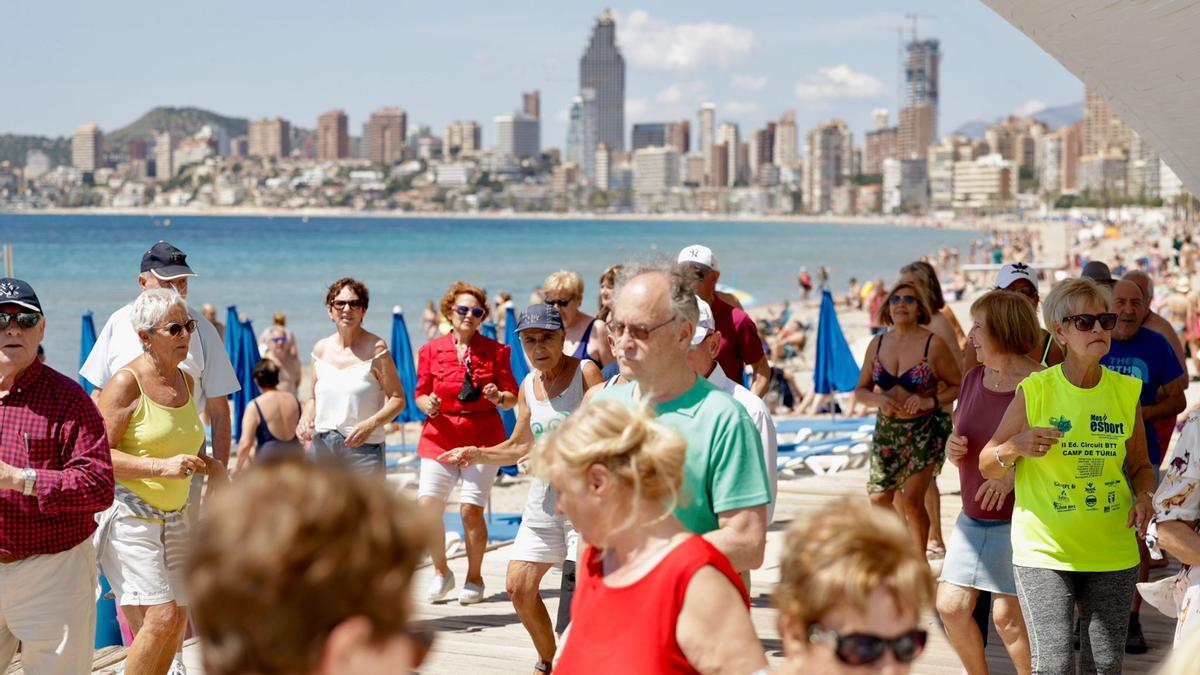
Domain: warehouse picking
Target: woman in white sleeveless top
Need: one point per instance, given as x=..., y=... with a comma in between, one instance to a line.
x=548, y=395
x=355, y=388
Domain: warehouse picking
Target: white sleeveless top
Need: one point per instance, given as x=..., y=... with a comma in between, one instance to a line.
x=545, y=416
x=347, y=396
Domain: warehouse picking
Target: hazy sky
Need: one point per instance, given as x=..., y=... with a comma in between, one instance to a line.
x=74, y=62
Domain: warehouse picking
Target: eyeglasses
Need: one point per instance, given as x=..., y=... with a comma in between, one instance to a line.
x=352, y=304
x=906, y=299
x=463, y=310
x=1084, y=322
x=860, y=649
x=558, y=303
x=177, y=329
x=618, y=328
x=24, y=319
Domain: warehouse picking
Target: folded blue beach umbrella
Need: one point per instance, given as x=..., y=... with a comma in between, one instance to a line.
x=835, y=369
x=231, y=328
x=87, y=340
x=243, y=368
x=488, y=330
x=520, y=366
x=402, y=355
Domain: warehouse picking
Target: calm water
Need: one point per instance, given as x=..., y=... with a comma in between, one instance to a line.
x=264, y=265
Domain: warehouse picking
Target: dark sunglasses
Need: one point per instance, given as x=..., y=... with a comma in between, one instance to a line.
x=1084, y=322
x=352, y=304
x=860, y=649
x=558, y=303
x=176, y=329
x=463, y=310
x=618, y=328
x=906, y=299
x=23, y=319
x=279, y=340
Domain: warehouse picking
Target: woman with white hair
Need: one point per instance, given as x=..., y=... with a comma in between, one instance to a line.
x=157, y=442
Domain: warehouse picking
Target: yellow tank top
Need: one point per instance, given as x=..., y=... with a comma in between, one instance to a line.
x=1072, y=505
x=160, y=432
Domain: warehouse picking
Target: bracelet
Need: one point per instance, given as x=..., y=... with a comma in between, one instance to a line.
x=1001, y=462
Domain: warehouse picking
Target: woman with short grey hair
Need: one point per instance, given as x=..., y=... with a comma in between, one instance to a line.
x=157, y=441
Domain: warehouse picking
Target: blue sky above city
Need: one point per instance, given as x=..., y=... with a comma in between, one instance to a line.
x=71, y=63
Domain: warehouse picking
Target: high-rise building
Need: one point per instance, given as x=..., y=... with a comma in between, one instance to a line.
x=708, y=122
x=718, y=163
x=137, y=149
x=918, y=117
x=879, y=144
x=1143, y=168
x=655, y=171
x=905, y=185
x=1050, y=171
x=1016, y=140
x=385, y=134
x=762, y=148
x=649, y=135
x=463, y=139
x=728, y=134
x=333, y=136
x=270, y=138
x=573, y=150
x=518, y=136
x=941, y=160
x=531, y=103
x=1072, y=150
x=86, y=146
x=784, y=152
x=603, y=167
x=983, y=183
x=589, y=129
x=164, y=155
x=1103, y=130
x=826, y=151
x=602, y=70
x=918, y=129
x=679, y=136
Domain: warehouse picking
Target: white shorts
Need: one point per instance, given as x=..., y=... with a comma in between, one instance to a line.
x=438, y=479
x=545, y=543
x=132, y=559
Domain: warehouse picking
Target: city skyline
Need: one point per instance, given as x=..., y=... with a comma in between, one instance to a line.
x=677, y=59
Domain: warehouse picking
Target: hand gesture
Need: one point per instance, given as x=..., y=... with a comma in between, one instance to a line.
x=492, y=393
x=956, y=448
x=433, y=403
x=1141, y=514
x=181, y=466
x=360, y=432
x=460, y=457
x=991, y=494
x=304, y=430
x=1035, y=442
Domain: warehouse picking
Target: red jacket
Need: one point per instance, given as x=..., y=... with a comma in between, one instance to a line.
x=457, y=423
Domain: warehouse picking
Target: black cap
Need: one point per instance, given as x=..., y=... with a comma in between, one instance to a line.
x=540, y=316
x=166, y=262
x=17, y=292
x=1098, y=272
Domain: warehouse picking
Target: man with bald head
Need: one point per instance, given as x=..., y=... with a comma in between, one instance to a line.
x=725, y=489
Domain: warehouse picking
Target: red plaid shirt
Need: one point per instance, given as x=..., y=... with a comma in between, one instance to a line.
x=48, y=423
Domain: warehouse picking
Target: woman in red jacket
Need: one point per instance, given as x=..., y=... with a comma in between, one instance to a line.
x=462, y=378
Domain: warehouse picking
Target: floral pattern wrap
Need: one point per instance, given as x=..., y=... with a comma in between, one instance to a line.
x=1178, y=498
x=904, y=447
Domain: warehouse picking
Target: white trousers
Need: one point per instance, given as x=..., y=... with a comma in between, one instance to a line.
x=48, y=606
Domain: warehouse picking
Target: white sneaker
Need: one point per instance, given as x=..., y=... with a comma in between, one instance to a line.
x=470, y=594
x=440, y=586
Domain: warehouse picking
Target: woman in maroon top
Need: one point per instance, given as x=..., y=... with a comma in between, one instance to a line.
x=979, y=558
x=462, y=378
x=649, y=595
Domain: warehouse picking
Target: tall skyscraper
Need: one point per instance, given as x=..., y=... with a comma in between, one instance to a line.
x=729, y=134
x=164, y=155
x=827, y=150
x=86, y=147
x=589, y=130
x=573, y=150
x=918, y=117
x=463, y=139
x=384, y=135
x=531, y=103
x=602, y=70
x=333, y=136
x=762, y=147
x=708, y=125
x=679, y=136
x=518, y=136
x=1102, y=128
x=270, y=138
x=784, y=153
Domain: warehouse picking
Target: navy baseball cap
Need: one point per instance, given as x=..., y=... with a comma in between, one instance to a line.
x=541, y=316
x=166, y=262
x=17, y=292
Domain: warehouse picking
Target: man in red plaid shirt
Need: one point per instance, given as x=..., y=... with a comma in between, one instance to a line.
x=55, y=474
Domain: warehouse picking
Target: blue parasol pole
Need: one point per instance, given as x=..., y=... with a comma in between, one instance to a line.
x=87, y=340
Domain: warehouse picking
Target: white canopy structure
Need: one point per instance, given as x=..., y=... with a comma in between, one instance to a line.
x=1141, y=55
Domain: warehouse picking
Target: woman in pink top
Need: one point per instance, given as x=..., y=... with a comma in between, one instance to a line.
x=650, y=596
x=979, y=557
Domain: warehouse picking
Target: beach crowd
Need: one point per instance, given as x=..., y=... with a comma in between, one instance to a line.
x=647, y=427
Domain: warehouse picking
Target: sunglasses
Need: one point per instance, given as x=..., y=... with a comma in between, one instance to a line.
x=279, y=340
x=558, y=303
x=463, y=310
x=1084, y=322
x=177, y=329
x=906, y=299
x=352, y=304
x=23, y=319
x=860, y=649
x=619, y=328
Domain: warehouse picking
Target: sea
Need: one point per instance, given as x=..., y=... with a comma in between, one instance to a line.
x=262, y=264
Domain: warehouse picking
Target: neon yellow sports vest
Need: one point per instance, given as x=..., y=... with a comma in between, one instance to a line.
x=1072, y=505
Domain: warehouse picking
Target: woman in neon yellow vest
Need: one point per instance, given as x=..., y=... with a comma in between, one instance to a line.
x=1073, y=433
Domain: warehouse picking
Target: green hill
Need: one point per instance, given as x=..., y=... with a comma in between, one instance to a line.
x=179, y=121
x=13, y=148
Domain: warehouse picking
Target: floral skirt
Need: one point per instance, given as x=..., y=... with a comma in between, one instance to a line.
x=903, y=447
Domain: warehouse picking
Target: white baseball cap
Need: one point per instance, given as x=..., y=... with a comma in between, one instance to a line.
x=698, y=255
x=1013, y=272
x=706, y=324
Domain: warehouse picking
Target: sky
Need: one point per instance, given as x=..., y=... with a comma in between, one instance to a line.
x=70, y=63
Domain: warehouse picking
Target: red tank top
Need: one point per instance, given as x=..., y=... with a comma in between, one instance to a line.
x=632, y=629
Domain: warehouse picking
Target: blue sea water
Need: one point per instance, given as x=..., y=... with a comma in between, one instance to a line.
x=267, y=264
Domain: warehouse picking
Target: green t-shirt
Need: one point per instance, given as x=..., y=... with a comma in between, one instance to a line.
x=1072, y=505
x=724, y=467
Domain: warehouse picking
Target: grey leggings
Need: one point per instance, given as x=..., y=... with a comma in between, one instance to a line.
x=1048, y=599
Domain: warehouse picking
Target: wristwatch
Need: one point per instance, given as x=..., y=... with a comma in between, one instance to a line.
x=30, y=477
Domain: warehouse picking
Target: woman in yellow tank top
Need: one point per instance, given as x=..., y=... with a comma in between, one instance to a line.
x=1083, y=485
x=157, y=442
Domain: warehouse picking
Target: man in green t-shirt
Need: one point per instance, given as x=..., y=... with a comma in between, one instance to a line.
x=725, y=490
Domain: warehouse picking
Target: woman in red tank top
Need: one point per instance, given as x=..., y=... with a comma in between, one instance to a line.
x=649, y=594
